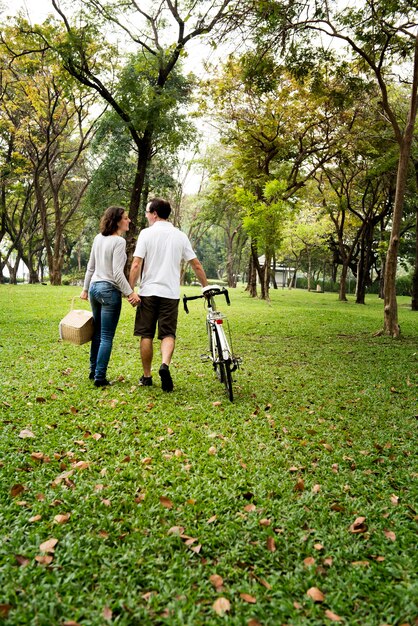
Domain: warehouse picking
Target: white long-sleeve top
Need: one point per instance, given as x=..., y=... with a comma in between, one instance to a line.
x=107, y=262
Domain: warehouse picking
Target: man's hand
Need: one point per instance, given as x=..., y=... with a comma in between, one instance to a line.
x=209, y=287
x=134, y=299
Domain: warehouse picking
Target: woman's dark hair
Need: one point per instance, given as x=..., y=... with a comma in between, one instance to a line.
x=161, y=207
x=110, y=219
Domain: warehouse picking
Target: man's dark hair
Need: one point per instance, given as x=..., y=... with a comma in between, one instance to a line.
x=161, y=207
x=110, y=220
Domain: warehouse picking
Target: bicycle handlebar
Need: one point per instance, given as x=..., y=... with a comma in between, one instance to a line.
x=210, y=293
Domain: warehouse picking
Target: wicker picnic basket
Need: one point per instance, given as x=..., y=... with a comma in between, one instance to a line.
x=77, y=326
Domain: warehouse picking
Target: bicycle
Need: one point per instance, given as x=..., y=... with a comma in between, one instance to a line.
x=223, y=359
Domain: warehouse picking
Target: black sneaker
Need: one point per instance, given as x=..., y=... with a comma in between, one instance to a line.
x=91, y=376
x=145, y=381
x=101, y=382
x=166, y=380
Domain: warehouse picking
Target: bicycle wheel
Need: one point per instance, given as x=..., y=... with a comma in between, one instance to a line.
x=223, y=369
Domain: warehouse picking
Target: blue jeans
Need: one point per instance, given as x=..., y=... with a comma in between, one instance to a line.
x=106, y=304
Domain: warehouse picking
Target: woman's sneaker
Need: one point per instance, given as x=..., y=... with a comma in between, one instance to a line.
x=145, y=381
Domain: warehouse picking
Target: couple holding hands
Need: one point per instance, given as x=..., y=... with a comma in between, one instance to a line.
x=158, y=254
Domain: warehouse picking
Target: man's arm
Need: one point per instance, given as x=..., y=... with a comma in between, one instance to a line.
x=199, y=271
x=135, y=271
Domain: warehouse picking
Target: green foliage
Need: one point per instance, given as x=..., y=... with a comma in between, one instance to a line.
x=322, y=431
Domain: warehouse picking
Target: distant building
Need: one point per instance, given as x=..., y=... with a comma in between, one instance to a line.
x=283, y=273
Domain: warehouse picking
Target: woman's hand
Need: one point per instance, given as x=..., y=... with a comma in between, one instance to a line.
x=134, y=299
x=84, y=295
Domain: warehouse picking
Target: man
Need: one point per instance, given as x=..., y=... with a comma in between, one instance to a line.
x=157, y=258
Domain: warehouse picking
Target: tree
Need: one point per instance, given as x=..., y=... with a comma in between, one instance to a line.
x=382, y=35
x=161, y=37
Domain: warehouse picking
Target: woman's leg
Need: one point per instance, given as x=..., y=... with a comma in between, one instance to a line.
x=96, y=309
x=111, y=303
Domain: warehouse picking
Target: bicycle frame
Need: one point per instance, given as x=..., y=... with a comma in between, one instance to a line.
x=223, y=360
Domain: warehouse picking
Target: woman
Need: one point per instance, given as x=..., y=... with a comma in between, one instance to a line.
x=104, y=284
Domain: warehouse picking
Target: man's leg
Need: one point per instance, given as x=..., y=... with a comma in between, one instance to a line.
x=146, y=348
x=167, y=349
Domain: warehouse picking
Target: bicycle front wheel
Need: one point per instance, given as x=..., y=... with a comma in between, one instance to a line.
x=223, y=369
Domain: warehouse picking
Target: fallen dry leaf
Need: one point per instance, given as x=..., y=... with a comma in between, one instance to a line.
x=175, y=530
x=26, y=434
x=5, y=610
x=221, y=606
x=300, y=485
x=318, y=546
x=389, y=534
x=212, y=519
x=212, y=450
x=22, y=561
x=309, y=561
x=316, y=488
x=333, y=616
x=166, y=502
x=16, y=490
x=358, y=526
x=315, y=594
x=107, y=613
x=62, y=518
x=49, y=545
x=271, y=544
x=247, y=598
x=35, y=518
x=394, y=499
x=44, y=559
x=217, y=581
x=249, y=508
x=147, y=460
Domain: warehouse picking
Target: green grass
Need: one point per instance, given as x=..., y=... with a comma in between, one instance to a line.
x=319, y=399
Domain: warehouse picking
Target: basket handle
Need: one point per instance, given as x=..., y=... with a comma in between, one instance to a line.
x=74, y=298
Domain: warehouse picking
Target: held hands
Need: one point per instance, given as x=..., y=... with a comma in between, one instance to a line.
x=134, y=299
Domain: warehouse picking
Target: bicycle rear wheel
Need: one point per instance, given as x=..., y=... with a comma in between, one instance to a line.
x=223, y=368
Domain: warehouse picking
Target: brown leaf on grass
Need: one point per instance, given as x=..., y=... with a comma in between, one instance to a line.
x=62, y=518
x=217, y=581
x=212, y=519
x=264, y=522
x=147, y=460
x=394, y=499
x=333, y=616
x=309, y=561
x=327, y=447
x=73, y=410
x=81, y=465
x=16, y=490
x=107, y=613
x=217, y=403
x=166, y=502
x=96, y=436
x=5, y=610
x=212, y=450
x=328, y=561
x=35, y=518
x=71, y=622
x=175, y=530
x=221, y=606
x=318, y=546
x=315, y=594
x=316, y=488
x=44, y=559
x=106, y=502
x=300, y=485
x=22, y=561
x=26, y=434
x=247, y=598
x=254, y=622
x=271, y=544
x=360, y=563
x=358, y=526
x=334, y=468
x=49, y=545
x=249, y=508
x=389, y=534
x=293, y=469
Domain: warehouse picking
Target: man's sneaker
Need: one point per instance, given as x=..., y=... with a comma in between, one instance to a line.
x=145, y=381
x=166, y=380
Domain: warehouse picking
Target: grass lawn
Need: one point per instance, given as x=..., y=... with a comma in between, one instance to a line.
x=295, y=505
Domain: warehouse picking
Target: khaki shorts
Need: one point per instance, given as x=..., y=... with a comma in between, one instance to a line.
x=153, y=309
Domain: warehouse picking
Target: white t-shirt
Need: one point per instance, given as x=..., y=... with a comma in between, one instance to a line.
x=107, y=262
x=162, y=247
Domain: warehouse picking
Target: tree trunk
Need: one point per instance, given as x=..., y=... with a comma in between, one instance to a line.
x=391, y=325
x=342, y=295
x=144, y=152
x=252, y=279
x=414, y=294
